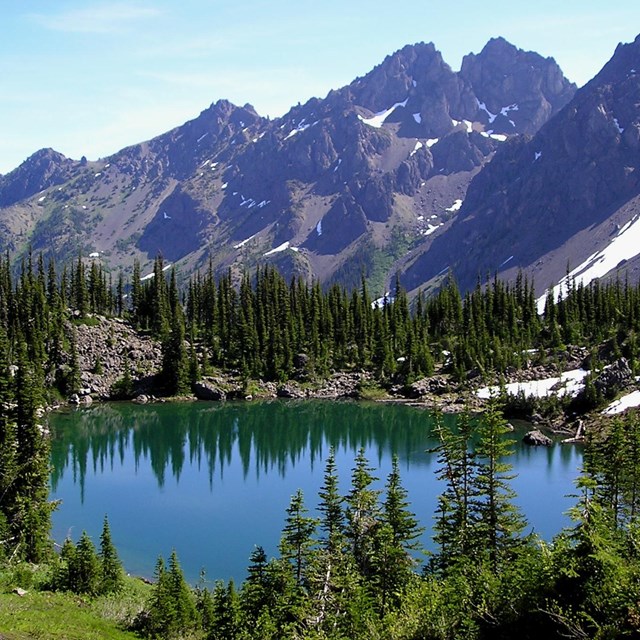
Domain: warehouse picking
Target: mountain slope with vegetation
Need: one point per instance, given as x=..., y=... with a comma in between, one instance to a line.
x=335, y=188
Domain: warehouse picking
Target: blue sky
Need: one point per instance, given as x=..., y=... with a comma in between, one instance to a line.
x=88, y=78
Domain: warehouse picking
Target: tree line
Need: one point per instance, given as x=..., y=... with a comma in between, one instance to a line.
x=264, y=327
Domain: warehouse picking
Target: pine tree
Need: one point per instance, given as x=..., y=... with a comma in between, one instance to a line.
x=362, y=513
x=297, y=543
x=330, y=506
x=256, y=590
x=111, y=575
x=453, y=529
x=171, y=610
x=175, y=362
x=183, y=605
x=84, y=569
x=498, y=521
x=30, y=520
x=226, y=613
x=395, y=510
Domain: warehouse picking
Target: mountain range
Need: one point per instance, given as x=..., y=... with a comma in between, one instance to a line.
x=413, y=169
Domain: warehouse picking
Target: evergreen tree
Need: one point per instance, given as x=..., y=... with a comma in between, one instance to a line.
x=226, y=613
x=330, y=506
x=171, y=610
x=297, y=543
x=362, y=513
x=84, y=568
x=454, y=527
x=498, y=521
x=30, y=520
x=111, y=575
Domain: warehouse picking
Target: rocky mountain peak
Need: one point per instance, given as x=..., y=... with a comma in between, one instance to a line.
x=516, y=90
x=564, y=193
x=39, y=171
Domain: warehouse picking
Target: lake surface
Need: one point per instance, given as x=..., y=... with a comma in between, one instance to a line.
x=213, y=480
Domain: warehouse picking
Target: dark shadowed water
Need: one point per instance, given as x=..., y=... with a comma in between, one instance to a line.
x=214, y=480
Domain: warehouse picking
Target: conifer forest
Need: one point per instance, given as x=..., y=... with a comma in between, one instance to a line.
x=356, y=570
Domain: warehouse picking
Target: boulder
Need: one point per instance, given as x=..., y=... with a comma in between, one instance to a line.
x=613, y=378
x=290, y=390
x=536, y=438
x=208, y=390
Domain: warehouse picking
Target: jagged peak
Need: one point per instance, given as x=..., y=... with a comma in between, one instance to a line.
x=625, y=60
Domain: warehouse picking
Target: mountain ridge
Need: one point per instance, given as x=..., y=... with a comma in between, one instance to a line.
x=370, y=180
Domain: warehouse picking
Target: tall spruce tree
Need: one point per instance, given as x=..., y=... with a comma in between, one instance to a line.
x=297, y=541
x=362, y=513
x=499, y=522
x=111, y=574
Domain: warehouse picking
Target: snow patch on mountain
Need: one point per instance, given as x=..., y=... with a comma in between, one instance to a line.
x=500, y=137
x=629, y=401
x=302, y=126
x=483, y=107
x=283, y=247
x=430, y=229
x=377, y=120
x=455, y=206
x=150, y=275
x=624, y=246
x=243, y=242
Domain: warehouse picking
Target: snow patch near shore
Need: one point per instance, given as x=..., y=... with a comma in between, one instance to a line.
x=569, y=383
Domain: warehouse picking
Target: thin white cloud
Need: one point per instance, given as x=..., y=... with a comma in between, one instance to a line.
x=108, y=18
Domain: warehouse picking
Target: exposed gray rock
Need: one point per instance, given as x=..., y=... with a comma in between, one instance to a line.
x=206, y=389
x=436, y=385
x=536, y=438
x=103, y=349
x=613, y=378
x=290, y=390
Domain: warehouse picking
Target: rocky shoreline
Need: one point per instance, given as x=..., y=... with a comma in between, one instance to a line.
x=106, y=347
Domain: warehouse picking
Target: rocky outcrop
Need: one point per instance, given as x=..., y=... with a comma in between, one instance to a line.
x=43, y=169
x=542, y=196
x=435, y=385
x=104, y=347
x=342, y=385
x=536, y=438
x=613, y=378
x=516, y=90
x=209, y=389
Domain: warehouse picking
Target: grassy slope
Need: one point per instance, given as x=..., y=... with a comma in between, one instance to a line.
x=52, y=616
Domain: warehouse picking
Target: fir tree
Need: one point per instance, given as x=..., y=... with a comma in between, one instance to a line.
x=498, y=521
x=111, y=575
x=296, y=543
x=362, y=513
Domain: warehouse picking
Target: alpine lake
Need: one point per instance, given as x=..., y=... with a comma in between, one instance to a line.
x=213, y=480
